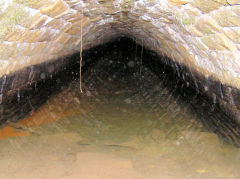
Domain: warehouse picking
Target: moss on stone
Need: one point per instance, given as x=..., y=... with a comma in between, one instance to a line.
x=34, y=3
x=190, y=20
x=15, y=15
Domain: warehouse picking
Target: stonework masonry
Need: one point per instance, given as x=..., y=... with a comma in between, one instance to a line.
x=203, y=35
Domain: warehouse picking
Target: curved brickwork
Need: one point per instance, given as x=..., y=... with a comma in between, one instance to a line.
x=203, y=35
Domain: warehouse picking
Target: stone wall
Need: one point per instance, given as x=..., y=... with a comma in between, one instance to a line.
x=203, y=35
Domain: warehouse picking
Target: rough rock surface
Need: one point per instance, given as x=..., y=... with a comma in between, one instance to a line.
x=203, y=35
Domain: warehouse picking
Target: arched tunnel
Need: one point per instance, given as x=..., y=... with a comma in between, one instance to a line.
x=120, y=88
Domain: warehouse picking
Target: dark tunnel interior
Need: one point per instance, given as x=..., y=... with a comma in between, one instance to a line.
x=116, y=61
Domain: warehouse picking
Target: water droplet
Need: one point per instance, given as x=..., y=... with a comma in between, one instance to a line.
x=131, y=64
x=1, y=98
x=18, y=95
x=50, y=68
x=88, y=93
x=205, y=88
x=214, y=98
x=42, y=76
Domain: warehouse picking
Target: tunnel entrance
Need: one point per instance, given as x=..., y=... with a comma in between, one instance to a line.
x=134, y=106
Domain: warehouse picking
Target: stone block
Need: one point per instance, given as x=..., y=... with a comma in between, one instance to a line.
x=193, y=31
x=85, y=21
x=234, y=2
x=14, y=35
x=46, y=35
x=218, y=42
x=62, y=38
x=38, y=48
x=7, y=50
x=72, y=17
x=233, y=34
x=38, y=21
x=56, y=24
x=227, y=18
x=207, y=6
x=178, y=2
x=73, y=30
x=56, y=9
x=207, y=25
x=32, y=36
x=191, y=10
x=72, y=40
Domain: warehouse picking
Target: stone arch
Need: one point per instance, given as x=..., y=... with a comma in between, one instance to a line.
x=202, y=36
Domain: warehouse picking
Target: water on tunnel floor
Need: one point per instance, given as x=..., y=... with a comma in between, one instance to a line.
x=131, y=121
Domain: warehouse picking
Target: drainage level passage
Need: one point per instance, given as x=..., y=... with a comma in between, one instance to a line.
x=134, y=119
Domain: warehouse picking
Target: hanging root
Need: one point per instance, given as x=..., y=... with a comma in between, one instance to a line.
x=80, y=71
x=141, y=60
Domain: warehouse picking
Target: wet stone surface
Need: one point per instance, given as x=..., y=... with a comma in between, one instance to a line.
x=27, y=89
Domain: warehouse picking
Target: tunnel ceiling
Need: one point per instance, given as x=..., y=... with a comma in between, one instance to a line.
x=203, y=35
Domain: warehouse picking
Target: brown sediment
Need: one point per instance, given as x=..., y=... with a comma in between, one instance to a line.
x=9, y=131
x=54, y=110
x=45, y=115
